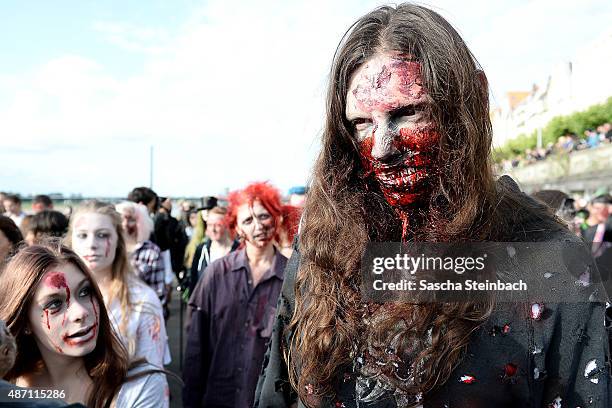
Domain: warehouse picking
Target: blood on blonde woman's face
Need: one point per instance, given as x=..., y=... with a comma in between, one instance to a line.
x=63, y=316
x=255, y=224
x=94, y=239
x=388, y=108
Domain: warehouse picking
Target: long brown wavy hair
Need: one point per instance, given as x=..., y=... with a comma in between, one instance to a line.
x=107, y=364
x=345, y=210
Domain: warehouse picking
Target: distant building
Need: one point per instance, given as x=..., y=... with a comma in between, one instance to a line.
x=571, y=86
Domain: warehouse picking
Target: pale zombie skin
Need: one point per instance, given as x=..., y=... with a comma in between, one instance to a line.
x=389, y=109
x=94, y=239
x=64, y=314
x=255, y=224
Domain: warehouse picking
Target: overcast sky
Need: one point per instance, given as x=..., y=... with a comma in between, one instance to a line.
x=227, y=92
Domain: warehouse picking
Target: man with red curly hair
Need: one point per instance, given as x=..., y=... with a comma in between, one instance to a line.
x=235, y=305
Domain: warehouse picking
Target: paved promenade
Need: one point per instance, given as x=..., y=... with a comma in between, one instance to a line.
x=172, y=326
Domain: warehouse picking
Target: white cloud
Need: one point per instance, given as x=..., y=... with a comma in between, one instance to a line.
x=233, y=95
x=133, y=38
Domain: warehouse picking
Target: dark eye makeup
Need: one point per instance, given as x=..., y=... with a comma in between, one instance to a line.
x=53, y=305
x=85, y=291
x=409, y=110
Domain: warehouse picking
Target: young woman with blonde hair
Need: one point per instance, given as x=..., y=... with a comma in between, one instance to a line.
x=96, y=235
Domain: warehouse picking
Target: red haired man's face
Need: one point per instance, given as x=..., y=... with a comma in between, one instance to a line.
x=388, y=108
x=255, y=224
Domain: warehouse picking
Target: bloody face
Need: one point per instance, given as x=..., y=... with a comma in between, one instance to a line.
x=255, y=224
x=388, y=108
x=129, y=223
x=63, y=316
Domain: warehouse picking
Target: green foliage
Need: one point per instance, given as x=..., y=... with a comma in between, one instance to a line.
x=516, y=146
x=558, y=126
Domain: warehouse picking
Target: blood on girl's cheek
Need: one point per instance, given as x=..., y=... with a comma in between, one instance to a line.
x=94, y=331
x=58, y=280
x=93, y=305
x=47, y=317
x=107, y=248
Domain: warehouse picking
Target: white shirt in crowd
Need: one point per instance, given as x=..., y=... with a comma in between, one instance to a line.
x=145, y=334
x=17, y=219
x=149, y=391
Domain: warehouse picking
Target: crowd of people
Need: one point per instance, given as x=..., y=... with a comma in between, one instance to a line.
x=565, y=144
x=590, y=219
x=131, y=254
x=277, y=312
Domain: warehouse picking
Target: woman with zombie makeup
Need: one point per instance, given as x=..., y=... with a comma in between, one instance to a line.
x=96, y=235
x=406, y=157
x=65, y=341
x=145, y=256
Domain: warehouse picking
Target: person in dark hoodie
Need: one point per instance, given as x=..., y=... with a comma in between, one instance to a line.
x=405, y=157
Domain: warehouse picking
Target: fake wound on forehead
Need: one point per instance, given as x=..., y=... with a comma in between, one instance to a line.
x=409, y=72
x=56, y=279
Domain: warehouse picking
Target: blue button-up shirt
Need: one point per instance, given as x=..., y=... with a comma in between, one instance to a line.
x=230, y=327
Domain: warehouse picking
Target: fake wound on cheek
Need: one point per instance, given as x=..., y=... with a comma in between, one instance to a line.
x=45, y=317
x=423, y=141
